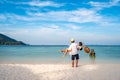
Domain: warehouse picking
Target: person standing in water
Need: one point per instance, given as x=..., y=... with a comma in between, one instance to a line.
x=65, y=51
x=92, y=56
x=73, y=49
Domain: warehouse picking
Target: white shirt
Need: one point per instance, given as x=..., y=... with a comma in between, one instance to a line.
x=79, y=47
x=73, y=48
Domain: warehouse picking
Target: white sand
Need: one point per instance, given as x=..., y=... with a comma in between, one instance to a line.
x=59, y=72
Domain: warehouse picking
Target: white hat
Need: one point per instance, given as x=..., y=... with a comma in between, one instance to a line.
x=72, y=39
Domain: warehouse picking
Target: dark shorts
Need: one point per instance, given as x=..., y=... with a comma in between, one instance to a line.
x=76, y=56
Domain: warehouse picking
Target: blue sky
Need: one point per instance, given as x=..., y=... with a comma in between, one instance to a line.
x=52, y=22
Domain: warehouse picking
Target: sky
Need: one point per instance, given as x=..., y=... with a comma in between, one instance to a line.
x=55, y=22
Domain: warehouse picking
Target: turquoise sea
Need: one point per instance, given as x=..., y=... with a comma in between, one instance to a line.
x=52, y=54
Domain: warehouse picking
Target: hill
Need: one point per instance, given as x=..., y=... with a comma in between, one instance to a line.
x=5, y=40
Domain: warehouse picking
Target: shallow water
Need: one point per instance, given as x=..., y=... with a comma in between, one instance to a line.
x=51, y=54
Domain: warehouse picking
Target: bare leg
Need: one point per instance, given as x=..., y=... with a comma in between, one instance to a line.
x=76, y=63
x=72, y=63
x=62, y=50
x=65, y=52
x=93, y=61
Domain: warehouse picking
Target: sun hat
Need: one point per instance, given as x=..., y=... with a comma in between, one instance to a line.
x=87, y=49
x=72, y=39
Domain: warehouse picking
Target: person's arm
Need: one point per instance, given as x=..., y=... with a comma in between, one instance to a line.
x=70, y=49
x=79, y=47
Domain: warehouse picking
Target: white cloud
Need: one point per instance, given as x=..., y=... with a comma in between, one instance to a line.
x=57, y=27
x=2, y=17
x=46, y=35
x=80, y=16
x=54, y=27
x=39, y=35
x=115, y=3
x=14, y=17
x=75, y=27
x=38, y=3
x=72, y=26
x=43, y=4
x=101, y=5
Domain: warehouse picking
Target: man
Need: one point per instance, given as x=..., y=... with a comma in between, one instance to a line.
x=73, y=49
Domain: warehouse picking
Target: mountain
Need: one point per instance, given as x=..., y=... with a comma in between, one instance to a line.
x=5, y=40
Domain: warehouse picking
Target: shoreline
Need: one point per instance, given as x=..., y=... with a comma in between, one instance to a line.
x=59, y=62
x=59, y=72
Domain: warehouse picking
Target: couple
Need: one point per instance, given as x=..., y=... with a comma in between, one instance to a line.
x=73, y=51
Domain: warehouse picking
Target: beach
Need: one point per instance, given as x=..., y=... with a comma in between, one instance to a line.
x=47, y=63
x=59, y=72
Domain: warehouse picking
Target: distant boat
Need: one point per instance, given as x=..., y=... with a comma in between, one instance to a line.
x=5, y=40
